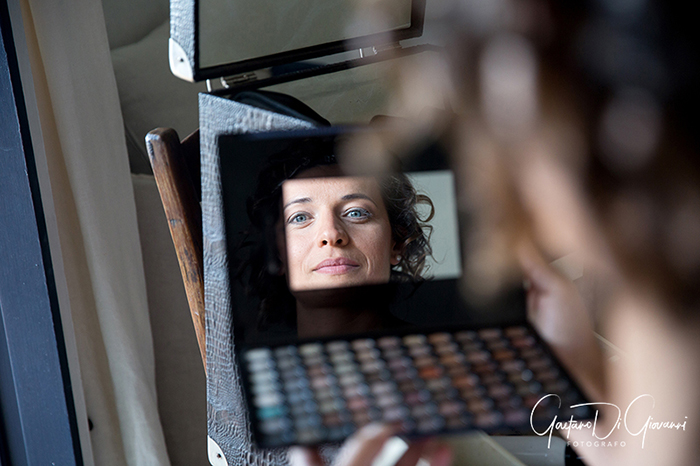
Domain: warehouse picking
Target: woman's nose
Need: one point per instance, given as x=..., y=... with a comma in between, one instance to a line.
x=332, y=233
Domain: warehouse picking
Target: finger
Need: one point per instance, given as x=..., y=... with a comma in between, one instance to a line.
x=365, y=444
x=415, y=452
x=303, y=456
x=431, y=451
x=442, y=456
x=538, y=272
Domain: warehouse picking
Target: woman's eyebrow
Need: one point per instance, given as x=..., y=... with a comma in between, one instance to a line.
x=301, y=200
x=350, y=197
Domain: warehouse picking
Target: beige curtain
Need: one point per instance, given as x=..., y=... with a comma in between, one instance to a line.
x=83, y=133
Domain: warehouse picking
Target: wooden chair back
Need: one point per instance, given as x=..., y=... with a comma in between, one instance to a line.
x=176, y=168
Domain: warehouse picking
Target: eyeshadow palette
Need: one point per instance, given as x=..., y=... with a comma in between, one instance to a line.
x=494, y=378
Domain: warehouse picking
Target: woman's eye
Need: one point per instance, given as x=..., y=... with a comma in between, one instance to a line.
x=358, y=213
x=298, y=218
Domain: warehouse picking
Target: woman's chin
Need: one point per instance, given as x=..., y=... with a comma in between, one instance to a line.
x=325, y=281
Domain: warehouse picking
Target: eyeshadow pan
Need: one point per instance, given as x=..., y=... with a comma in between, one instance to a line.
x=430, y=372
x=367, y=353
x=258, y=354
x=430, y=424
x=455, y=370
x=358, y=403
x=310, y=349
x=530, y=353
x=377, y=376
x=479, y=356
x=499, y=391
x=411, y=385
x=402, y=375
x=516, y=416
x=466, y=336
x=458, y=422
x=318, y=383
x=497, y=344
x=372, y=365
x=526, y=341
x=393, y=353
x=416, y=397
x=491, y=378
x=438, y=384
x=340, y=357
x=452, y=359
x=387, y=400
x=264, y=377
x=423, y=361
x=394, y=413
x=268, y=399
x=446, y=348
x=437, y=338
x=349, y=378
x=515, y=365
x=465, y=381
x=414, y=340
x=292, y=373
x=484, y=368
x=362, y=343
x=557, y=386
x=309, y=436
x=282, y=351
x=488, y=420
x=503, y=355
x=540, y=363
x=313, y=359
x=472, y=393
x=287, y=363
x=399, y=363
x=518, y=331
x=418, y=350
x=337, y=346
x=345, y=368
x=271, y=411
x=469, y=347
x=424, y=410
x=275, y=425
x=489, y=333
x=451, y=408
x=389, y=342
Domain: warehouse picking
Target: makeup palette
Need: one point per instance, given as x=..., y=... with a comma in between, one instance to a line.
x=496, y=379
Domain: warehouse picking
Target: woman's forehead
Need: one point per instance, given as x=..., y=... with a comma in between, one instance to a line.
x=330, y=188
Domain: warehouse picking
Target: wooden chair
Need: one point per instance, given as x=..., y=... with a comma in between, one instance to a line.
x=176, y=169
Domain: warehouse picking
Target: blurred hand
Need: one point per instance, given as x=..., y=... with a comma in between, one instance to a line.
x=362, y=448
x=556, y=309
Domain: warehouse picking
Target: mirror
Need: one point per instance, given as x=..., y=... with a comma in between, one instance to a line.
x=350, y=231
x=233, y=31
x=321, y=252
x=220, y=38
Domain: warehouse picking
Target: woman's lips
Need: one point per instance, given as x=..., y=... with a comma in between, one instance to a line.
x=337, y=266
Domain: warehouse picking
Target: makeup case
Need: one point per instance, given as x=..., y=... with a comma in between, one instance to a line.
x=267, y=70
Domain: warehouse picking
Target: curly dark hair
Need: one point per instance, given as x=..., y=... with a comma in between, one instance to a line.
x=257, y=261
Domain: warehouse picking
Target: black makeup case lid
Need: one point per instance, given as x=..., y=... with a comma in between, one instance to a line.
x=248, y=46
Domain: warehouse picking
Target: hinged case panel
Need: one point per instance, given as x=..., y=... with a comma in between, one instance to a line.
x=216, y=39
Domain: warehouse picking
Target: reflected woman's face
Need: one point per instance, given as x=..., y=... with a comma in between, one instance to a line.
x=337, y=232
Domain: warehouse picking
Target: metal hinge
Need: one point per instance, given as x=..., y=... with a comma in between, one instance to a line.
x=232, y=81
x=377, y=49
